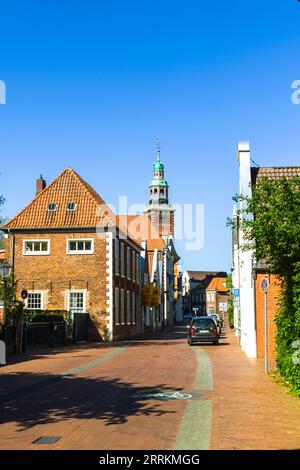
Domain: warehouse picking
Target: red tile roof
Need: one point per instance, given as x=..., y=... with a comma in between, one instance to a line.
x=275, y=172
x=140, y=228
x=201, y=275
x=91, y=210
x=218, y=283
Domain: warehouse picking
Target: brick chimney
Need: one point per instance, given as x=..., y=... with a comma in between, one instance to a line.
x=40, y=185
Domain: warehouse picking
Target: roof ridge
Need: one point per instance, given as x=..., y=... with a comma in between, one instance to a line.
x=84, y=185
x=272, y=167
x=36, y=197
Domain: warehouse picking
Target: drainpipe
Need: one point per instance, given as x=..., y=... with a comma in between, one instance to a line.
x=12, y=261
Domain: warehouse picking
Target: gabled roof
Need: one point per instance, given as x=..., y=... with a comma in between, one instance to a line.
x=201, y=275
x=274, y=172
x=91, y=210
x=140, y=228
x=218, y=283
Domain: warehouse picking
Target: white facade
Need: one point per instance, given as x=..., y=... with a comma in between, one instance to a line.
x=236, y=275
x=243, y=264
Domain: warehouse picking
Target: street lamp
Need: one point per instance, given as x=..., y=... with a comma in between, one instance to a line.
x=5, y=270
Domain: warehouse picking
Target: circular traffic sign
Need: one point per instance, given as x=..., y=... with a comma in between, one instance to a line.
x=264, y=285
x=24, y=294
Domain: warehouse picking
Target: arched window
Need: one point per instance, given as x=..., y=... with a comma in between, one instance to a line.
x=161, y=192
x=155, y=191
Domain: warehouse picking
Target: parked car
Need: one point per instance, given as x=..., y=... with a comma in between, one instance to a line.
x=203, y=329
x=218, y=320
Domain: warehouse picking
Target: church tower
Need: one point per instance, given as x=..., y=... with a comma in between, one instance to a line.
x=159, y=209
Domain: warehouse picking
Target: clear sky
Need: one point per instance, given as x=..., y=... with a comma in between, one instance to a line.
x=90, y=84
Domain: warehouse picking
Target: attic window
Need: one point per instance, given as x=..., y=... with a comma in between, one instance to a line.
x=71, y=206
x=52, y=207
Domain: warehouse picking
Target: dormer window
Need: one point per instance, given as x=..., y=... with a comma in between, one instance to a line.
x=71, y=207
x=52, y=207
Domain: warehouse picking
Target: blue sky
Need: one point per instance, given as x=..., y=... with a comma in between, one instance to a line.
x=90, y=84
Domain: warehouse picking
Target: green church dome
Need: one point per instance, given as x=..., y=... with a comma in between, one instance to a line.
x=158, y=166
x=158, y=183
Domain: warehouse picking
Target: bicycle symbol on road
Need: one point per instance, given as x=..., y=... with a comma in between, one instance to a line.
x=168, y=395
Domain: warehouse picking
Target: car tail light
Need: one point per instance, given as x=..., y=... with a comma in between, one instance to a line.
x=192, y=331
x=215, y=330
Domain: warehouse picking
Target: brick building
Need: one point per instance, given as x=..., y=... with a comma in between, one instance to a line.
x=273, y=296
x=247, y=273
x=204, y=291
x=160, y=262
x=70, y=253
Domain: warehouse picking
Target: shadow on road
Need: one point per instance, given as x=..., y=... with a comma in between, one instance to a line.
x=54, y=398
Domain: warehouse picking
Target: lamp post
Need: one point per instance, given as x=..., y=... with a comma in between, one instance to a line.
x=5, y=270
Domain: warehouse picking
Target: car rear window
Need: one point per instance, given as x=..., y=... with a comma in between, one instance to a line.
x=203, y=323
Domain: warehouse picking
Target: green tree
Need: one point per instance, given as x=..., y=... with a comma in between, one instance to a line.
x=2, y=200
x=230, y=305
x=274, y=234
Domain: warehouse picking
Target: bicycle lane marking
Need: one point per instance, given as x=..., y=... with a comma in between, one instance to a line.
x=14, y=395
x=195, y=429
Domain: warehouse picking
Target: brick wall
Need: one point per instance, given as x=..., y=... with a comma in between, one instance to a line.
x=129, y=282
x=58, y=273
x=273, y=294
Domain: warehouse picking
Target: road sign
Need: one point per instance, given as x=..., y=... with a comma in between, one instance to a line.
x=147, y=295
x=24, y=294
x=236, y=293
x=155, y=296
x=264, y=285
x=223, y=306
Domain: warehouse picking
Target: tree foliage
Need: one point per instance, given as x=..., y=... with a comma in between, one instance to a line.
x=2, y=200
x=270, y=221
x=229, y=303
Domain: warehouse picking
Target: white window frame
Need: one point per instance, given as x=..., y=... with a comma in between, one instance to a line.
x=71, y=210
x=36, y=253
x=42, y=299
x=54, y=207
x=80, y=252
x=77, y=291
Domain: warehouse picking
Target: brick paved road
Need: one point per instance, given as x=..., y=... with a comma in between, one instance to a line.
x=96, y=397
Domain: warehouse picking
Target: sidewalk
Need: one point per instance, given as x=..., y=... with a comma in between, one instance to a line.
x=250, y=411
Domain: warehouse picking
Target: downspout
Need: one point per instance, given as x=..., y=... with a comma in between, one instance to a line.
x=12, y=253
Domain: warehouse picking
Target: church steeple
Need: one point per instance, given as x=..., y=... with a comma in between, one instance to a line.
x=159, y=209
x=158, y=187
